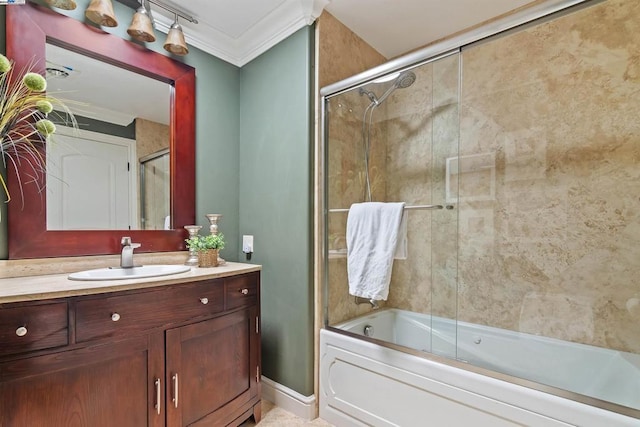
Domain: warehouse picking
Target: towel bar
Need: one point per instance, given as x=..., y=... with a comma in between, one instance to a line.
x=417, y=207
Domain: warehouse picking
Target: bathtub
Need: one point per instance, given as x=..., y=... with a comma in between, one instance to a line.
x=396, y=376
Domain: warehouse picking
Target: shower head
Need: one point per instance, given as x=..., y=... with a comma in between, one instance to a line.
x=404, y=80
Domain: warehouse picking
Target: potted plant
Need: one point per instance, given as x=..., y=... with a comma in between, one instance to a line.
x=207, y=248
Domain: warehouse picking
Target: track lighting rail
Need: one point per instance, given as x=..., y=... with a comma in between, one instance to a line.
x=135, y=4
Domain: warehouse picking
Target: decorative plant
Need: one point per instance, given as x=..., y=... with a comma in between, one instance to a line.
x=24, y=123
x=203, y=243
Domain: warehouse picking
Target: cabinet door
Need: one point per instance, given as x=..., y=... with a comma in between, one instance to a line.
x=212, y=370
x=106, y=385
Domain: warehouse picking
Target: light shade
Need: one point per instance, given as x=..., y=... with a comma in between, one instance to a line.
x=62, y=4
x=175, y=40
x=141, y=27
x=101, y=12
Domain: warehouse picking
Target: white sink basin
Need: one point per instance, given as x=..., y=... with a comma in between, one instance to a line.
x=129, y=273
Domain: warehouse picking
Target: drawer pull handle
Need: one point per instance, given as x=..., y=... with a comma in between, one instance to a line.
x=115, y=317
x=158, y=396
x=205, y=301
x=244, y=291
x=174, y=378
x=21, y=331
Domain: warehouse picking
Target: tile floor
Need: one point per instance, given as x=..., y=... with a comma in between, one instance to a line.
x=272, y=416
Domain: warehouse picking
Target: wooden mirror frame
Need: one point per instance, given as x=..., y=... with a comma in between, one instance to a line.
x=29, y=27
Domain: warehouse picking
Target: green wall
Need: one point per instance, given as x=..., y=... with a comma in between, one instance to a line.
x=276, y=160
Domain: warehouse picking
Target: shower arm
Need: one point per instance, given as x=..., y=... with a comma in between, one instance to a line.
x=386, y=94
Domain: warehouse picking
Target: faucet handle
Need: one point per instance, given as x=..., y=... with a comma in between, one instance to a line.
x=126, y=241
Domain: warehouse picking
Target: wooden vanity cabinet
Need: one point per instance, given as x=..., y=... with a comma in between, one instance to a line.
x=212, y=370
x=197, y=365
x=102, y=385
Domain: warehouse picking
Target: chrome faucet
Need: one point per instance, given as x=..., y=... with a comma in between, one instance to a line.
x=126, y=258
x=374, y=304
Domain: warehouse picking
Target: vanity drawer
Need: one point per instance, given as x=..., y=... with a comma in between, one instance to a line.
x=33, y=327
x=123, y=315
x=197, y=300
x=241, y=291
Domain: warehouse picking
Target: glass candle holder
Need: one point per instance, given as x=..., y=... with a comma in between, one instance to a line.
x=193, y=230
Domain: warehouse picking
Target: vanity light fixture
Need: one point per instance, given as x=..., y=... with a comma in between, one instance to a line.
x=142, y=24
x=101, y=13
x=141, y=27
x=175, y=39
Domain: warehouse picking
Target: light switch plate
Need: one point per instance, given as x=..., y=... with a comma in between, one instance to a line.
x=247, y=244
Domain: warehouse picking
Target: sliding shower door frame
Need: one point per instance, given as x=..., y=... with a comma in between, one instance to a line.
x=452, y=46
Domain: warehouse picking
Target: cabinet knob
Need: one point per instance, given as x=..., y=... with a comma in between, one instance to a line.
x=204, y=300
x=115, y=317
x=21, y=331
x=244, y=291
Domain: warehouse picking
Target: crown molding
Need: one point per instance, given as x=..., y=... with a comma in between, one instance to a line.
x=273, y=28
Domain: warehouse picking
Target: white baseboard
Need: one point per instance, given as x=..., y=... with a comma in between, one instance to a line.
x=289, y=400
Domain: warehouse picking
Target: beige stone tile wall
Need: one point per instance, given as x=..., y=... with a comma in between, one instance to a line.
x=553, y=249
x=412, y=134
x=409, y=156
x=544, y=238
x=346, y=184
x=152, y=137
x=342, y=54
x=422, y=134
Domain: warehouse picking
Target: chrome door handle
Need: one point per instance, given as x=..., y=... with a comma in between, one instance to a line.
x=158, y=396
x=21, y=331
x=174, y=378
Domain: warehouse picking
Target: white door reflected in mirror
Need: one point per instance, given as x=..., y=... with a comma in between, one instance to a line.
x=91, y=182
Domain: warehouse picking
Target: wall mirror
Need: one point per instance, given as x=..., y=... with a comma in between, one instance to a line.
x=33, y=32
x=112, y=172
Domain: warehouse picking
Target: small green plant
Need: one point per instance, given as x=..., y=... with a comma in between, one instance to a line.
x=203, y=243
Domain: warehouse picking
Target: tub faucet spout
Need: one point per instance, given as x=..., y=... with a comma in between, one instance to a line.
x=126, y=257
x=374, y=303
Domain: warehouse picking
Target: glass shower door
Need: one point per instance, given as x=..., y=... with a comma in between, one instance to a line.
x=391, y=140
x=444, y=223
x=154, y=191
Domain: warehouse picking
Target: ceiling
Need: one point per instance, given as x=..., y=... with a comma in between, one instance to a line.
x=76, y=77
x=240, y=30
x=237, y=31
x=396, y=27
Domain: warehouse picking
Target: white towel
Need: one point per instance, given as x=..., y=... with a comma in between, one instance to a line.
x=372, y=239
x=402, y=250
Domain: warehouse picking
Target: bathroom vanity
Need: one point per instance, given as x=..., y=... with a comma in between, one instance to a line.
x=181, y=350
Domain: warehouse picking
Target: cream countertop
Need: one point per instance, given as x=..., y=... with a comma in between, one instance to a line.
x=49, y=286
